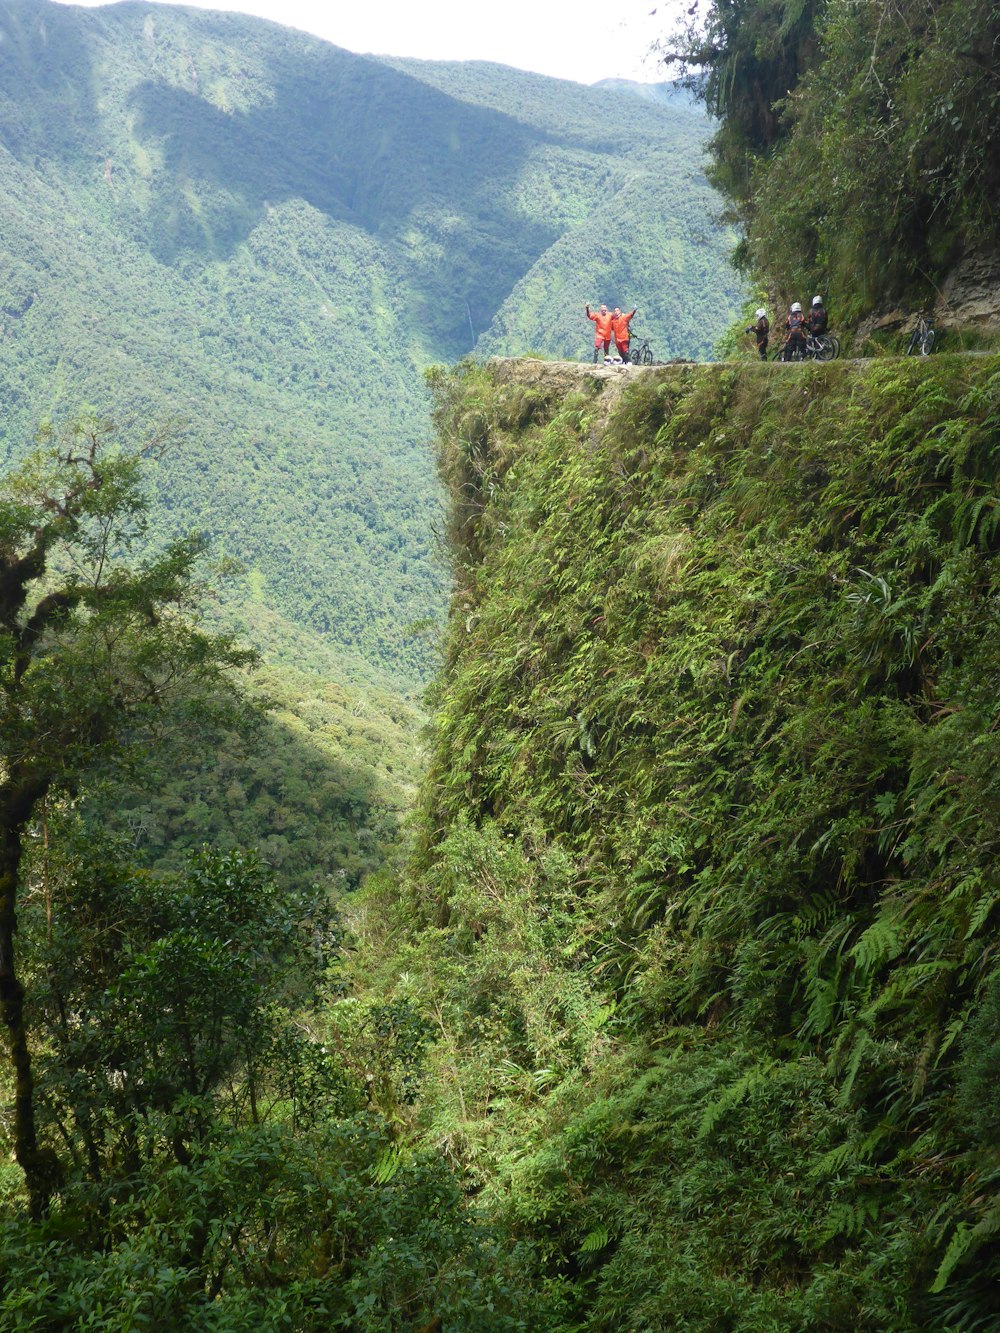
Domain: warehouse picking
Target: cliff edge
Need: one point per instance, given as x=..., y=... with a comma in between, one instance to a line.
x=703, y=901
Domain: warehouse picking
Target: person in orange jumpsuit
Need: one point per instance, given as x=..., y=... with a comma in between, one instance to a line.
x=602, y=329
x=619, y=327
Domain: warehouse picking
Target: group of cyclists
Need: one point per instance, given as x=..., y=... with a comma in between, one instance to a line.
x=806, y=335
x=799, y=327
x=610, y=324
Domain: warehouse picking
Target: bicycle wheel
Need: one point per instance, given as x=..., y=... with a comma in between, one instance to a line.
x=914, y=342
x=647, y=356
x=927, y=343
x=825, y=350
x=836, y=343
x=633, y=356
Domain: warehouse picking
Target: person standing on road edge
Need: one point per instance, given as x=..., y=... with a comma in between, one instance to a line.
x=795, y=333
x=602, y=329
x=817, y=319
x=761, y=331
x=619, y=326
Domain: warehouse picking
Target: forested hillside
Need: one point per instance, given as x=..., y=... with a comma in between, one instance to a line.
x=228, y=253
x=682, y=1011
x=673, y=1001
x=315, y=776
x=217, y=222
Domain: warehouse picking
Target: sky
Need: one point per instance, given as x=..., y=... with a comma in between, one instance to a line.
x=584, y=40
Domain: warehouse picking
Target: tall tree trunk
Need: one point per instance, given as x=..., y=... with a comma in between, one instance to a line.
x=40, y=1166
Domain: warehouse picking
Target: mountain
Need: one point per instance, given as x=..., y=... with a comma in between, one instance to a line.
x=678, y=1007
x=217, y=222
x=668, y=90
x=633, y=220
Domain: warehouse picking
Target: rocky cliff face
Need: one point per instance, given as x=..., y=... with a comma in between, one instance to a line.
x=970, y=297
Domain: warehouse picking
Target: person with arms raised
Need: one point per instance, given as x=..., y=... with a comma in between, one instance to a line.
x=602, y=329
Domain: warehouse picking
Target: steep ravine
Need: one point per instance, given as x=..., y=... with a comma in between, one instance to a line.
x=702, y=908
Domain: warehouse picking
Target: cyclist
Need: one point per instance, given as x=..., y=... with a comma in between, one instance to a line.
x=795, y=333
x=761, y=331
x=817, y=319
x=602, y=329
x=619, y=326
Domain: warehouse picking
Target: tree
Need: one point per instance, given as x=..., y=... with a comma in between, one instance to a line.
x=744, y=58
x=228, y=1165
x=93, y=640
x=855, y=139
x=166, y=1006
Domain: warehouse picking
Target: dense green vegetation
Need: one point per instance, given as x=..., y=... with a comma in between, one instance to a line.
x=684, y=1010
x=314, y=776
x=857, y=140
x=679, y=1006
x=224, y=1168
x=703, y=906
x=211, y=220
x=93, y=643
x=189, y=1141
x=251, y=244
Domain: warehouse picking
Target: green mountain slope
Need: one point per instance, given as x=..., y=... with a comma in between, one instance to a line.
x=668, y=91
x=317, y=782
x=685, y=1012
x=621, y=185
x=218, y=221
x=703, y=906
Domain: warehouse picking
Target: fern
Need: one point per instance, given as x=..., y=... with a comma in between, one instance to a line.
x=386, y=1165
x=737, y=1092
x=981, y=913
x=970, y=525
x=962, y=1241
x=880, y=943
x=849, y=1219
x=595, y=1240
x=863, y=1044
x=912, y=979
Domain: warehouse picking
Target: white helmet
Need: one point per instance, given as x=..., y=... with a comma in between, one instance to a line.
x=817, y=300
x=760, y=313
x=796, y=308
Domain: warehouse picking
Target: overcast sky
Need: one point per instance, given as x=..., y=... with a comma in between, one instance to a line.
x=585, y=40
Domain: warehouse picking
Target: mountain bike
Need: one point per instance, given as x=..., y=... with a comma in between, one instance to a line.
x=641, y=355
x=819, y=347
x=922, y=337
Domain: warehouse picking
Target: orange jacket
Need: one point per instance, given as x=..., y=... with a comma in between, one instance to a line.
x=602, y=324
x=620, y=326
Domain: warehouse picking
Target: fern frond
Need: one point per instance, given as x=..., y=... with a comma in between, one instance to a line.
x=731, y=1097
x=849, y=1219
x=595, y=1240
x=386, y=1164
